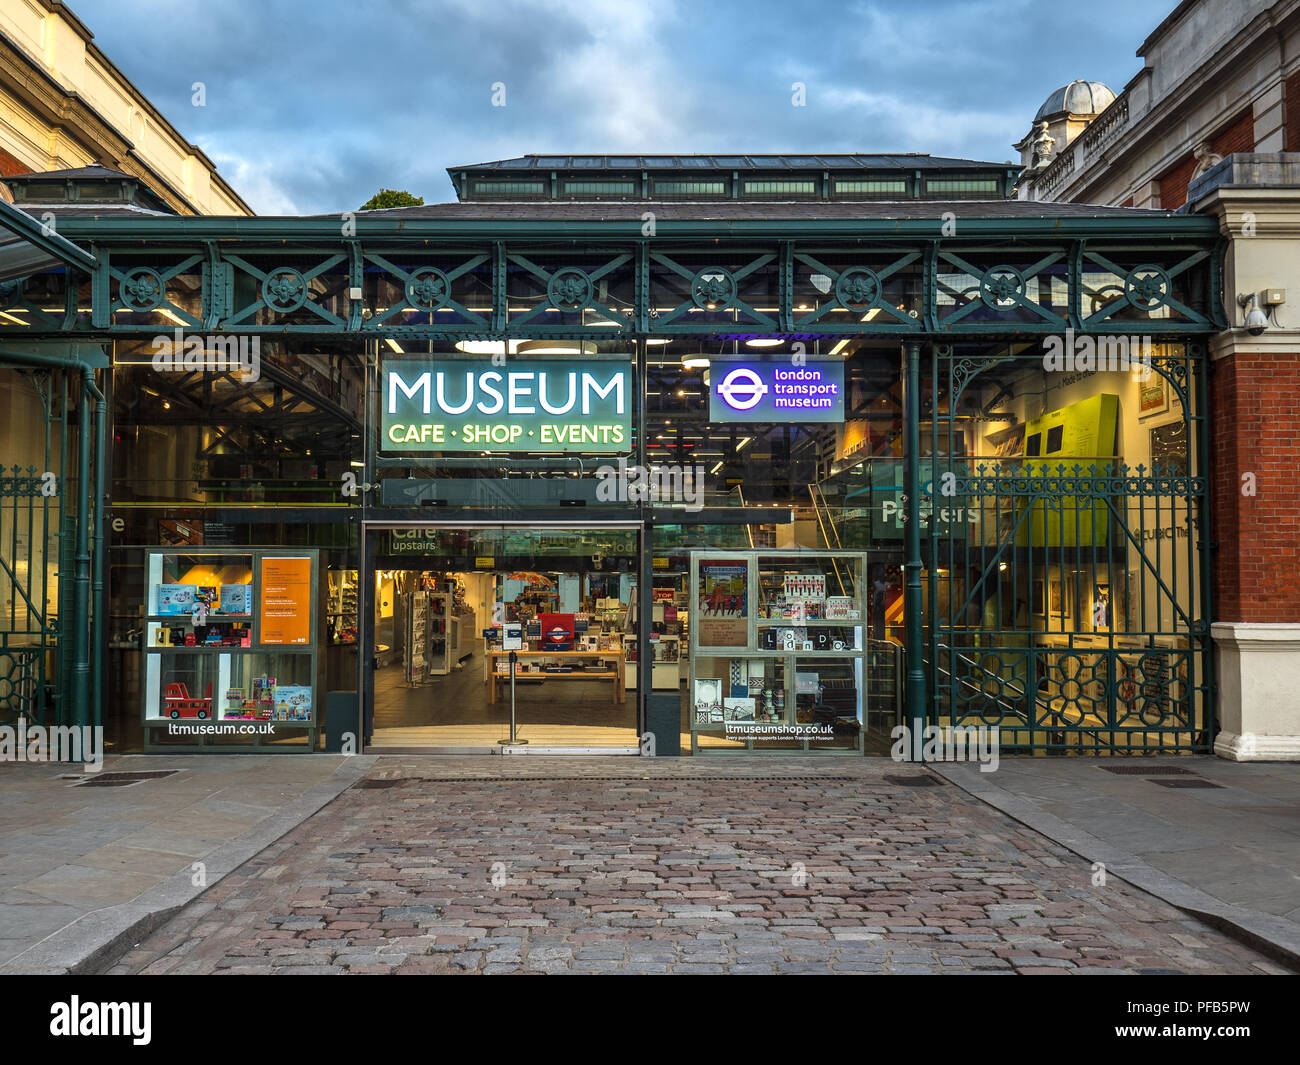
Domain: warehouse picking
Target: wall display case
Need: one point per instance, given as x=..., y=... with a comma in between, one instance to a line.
x=777, y=651
x=229, y=649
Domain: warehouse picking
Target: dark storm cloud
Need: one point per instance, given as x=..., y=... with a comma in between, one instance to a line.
x=311, y=107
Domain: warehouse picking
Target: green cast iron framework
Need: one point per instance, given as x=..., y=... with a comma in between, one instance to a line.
x=471, y=276
x=36, y=507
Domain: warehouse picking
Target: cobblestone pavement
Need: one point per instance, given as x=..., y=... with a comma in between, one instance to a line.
x=632, y=865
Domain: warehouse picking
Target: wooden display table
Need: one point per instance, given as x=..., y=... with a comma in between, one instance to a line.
x=492, y=673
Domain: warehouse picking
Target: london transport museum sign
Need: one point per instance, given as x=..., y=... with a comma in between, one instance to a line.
x=777, y=390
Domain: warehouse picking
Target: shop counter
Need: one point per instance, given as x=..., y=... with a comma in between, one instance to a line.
x=496, y=669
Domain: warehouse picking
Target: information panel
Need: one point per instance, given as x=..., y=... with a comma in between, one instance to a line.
x=284, y=612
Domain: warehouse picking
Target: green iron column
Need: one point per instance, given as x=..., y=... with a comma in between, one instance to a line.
x=913, y=635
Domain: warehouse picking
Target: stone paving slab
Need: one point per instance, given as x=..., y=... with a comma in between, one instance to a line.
x=85, y=867
x=771, y=865
x=1229, y=855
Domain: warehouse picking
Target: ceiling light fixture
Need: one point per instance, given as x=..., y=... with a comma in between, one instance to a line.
x=556, y=347
x=487, y=347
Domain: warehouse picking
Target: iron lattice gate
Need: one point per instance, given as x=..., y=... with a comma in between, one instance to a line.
x=1068, y=593
x=36, y=533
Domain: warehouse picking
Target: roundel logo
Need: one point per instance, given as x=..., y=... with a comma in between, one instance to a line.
x=558, y=633
x=742, y=389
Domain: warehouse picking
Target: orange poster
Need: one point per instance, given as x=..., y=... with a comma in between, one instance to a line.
x=284, y=613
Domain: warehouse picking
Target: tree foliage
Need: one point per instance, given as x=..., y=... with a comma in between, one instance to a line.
x=391, y=198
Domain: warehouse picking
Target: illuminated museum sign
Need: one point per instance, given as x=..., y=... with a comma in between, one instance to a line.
x=539, y=406
x=758, y=390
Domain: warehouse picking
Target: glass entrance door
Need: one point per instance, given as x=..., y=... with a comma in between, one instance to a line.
x=441, y=678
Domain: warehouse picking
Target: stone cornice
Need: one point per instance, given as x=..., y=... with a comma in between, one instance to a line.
x=1204, y=83
x=66, y=109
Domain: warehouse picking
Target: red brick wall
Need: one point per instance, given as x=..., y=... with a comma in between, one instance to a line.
x=1174, y=182
x=9, y=166
x=1256, y=404
x=1291, y=112
x=1237, y=136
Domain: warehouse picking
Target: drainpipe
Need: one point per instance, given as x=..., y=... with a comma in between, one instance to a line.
x=81, y=581
x=913, y=635
x=97, y=588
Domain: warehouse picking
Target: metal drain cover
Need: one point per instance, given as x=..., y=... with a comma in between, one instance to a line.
x=914, y=782
x=1195, y=782
x=394, y=782
x=121, y=780
x=1146, y=771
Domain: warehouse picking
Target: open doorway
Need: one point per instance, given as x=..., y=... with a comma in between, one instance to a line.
x=441, y=678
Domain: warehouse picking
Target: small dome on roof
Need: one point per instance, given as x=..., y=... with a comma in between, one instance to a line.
x=1078, y=98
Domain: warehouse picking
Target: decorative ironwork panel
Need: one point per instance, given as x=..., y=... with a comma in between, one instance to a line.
x=146, y=292
x=875, y=290
x=402, y=289
x=280, y=289
x=551, y=292
x=988, y=290
x=1126, y=287
x=714, y=290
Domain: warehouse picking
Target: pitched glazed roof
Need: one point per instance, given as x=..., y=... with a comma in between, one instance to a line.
x=749, y=210
x=900, y=161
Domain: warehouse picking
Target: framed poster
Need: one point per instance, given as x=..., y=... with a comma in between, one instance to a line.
x=739, y=709
x=1153, y=396
x=708, y=701
x=722, y=598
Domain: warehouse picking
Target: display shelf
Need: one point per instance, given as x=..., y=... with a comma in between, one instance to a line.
x=214, y=696
x=761, y=688
x=341, y=618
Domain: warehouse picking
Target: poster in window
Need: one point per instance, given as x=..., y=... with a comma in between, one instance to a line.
x=708, y=701
x=1153, y=396
x=1101, y=607
x=284, y=611
x=722, y=597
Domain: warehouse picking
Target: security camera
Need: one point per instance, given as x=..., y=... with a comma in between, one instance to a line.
x=1256, y=320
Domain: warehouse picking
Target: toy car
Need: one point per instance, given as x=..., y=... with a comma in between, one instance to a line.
x=177, y=702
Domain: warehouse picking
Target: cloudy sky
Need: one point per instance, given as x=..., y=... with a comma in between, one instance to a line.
x=313, y=105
